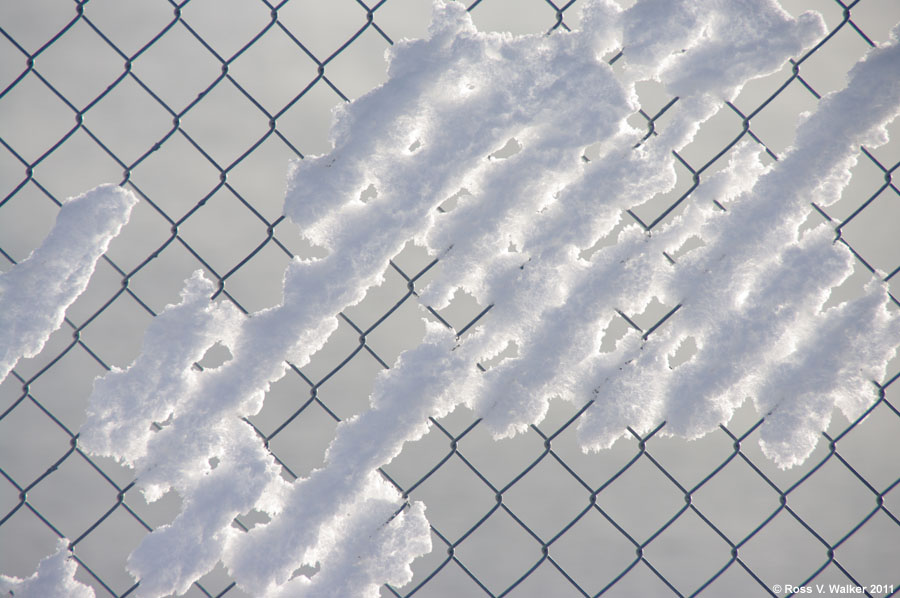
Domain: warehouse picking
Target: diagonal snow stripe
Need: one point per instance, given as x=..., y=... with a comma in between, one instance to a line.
x=376, y=436
x=36, y=293
x=125, y=404
x=718, y=278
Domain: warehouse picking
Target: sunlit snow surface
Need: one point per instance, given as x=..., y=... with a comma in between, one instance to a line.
x=751, y=298
x=55, y=576
x=36, y=292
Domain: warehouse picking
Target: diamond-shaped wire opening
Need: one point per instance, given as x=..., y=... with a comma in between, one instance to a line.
x=73, y=497
x=80, y=65
x=456, y=498
x=462, y=310
x=864, y=554
x=259, y=178
x=64, y=388
x=418, y=458
x=593, y=552
x=223, y=211
x=361, y=66
x=106, y=549
x=128, y=121
x=77, y=165
x=866, y=180
x=379, y=299
x=306, y=124
x=776, y=124
x=641, y=500
x=282, y=400
x=832, y=501
x=690, y=462
x=156, y=514
x=416, y=263
x=302, y=442
x=343, y=342
x=874, y=461
x=160, y=281
x=755, y=92
x=688, y=552
x=652, y=97
x=594, y=468
x=783, y=551
x=781, y=478
x=177, y=83
x=736, y=500
x=872, y=233
x=33, y=119
x=145, y=232
x=116, y=335
x=258, y=283
x=273, y=70
x=348, y=394
x=225, y=124
x=500, y=461
x=499, y=551
x=404, y=329
x=826, y=69
x=714, y=134
x=175, y=176
x=26, y=430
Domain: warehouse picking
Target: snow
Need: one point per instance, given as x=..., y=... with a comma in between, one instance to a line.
x=55, y=576
x=36, y=292
x=751, y=298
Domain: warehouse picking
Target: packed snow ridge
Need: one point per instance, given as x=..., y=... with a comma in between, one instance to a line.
x=36, y=292
x=751, y=299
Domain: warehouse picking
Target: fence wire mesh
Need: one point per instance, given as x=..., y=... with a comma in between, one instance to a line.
x=196, y=111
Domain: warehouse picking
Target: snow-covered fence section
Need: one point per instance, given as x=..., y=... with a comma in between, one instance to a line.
x=55, y=576
x=36, y=292
x=750, y=299
x=756, y=284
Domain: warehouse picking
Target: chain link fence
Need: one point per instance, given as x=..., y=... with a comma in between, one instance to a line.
x=200, y=122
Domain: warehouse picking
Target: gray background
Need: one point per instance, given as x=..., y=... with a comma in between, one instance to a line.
x=125, y=124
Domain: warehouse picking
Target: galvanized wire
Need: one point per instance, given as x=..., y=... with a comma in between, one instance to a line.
x=122, y=497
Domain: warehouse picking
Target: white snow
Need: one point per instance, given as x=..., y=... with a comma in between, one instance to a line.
x=36, y=292
x=55, y=576
x=751, y=298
